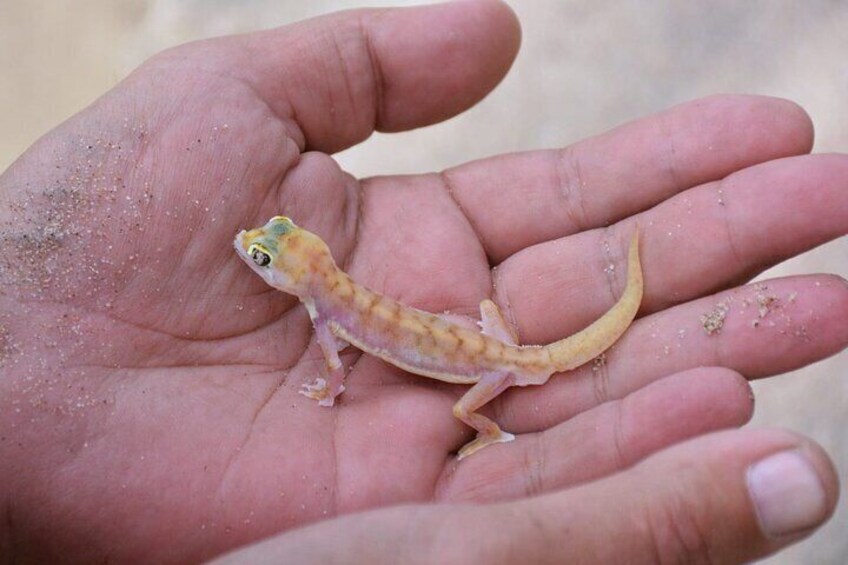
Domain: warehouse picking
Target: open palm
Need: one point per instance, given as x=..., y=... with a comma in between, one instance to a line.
x=150, y=379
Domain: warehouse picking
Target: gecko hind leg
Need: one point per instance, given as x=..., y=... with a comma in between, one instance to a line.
x=493, y=323
x=488, y=432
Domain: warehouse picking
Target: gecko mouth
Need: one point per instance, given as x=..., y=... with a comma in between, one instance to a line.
x=241, y=251
x=238, y=242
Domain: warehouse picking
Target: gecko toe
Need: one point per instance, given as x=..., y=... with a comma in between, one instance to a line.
x=483, y=440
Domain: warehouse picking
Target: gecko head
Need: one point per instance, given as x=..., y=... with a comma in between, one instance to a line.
x=286, y=256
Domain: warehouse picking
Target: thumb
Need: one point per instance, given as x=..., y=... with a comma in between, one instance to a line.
x=724, y=498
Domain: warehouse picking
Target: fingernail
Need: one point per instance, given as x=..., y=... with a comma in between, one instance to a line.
x=787, y=494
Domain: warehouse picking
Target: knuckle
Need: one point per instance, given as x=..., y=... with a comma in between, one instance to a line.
x=570, y=184
x=533, y=466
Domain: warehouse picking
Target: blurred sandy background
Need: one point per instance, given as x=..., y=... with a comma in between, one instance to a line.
x=585, y=66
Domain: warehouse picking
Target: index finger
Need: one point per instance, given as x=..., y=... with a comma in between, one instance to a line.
x=514, y=201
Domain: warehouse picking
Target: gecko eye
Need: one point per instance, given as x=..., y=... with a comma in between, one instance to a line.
x=260, y=255
x=261, y=259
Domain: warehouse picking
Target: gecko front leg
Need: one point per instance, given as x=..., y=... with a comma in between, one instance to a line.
x=493, y=323
x=322, y=390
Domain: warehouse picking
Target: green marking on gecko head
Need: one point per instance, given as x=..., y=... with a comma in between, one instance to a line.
x=280, y=225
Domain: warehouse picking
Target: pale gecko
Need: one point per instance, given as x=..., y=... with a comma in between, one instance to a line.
x=298, y=262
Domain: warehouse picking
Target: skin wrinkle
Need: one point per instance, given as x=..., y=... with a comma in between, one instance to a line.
x=345, y=73
x=349, y=258
x=278, y=192
x=569, y=181
x=183, y=339
x=377, y=77
x=442, y=481
x=189, y=338
x=288, y=118
x=143, y=141
x=728, y=229
x=501, y=298
x=617, y=434
x=268, y=291
x=670, y=153
x=129, y=368
x=718, y=342
x=654, y=544
x=351, y=211
x=601, y=381
x=240, y=448
x=676, y=516
x=446, y=183
x=701, y=546
x=534, y=463
x=284, y=376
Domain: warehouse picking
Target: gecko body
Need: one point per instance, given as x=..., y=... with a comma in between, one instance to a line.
x=298, y=262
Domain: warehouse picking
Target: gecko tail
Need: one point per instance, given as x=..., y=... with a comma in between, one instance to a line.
x=582, y=347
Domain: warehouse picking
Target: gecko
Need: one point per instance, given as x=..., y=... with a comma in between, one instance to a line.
x=299, y=262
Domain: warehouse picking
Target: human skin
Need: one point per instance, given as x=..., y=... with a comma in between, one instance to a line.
x=148, y=396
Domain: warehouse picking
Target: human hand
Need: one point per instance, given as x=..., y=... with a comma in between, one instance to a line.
x=149, y=390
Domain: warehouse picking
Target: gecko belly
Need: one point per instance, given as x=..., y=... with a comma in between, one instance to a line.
x=412, y=360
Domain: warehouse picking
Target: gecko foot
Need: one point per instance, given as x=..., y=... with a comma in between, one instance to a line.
x=482, y=441
x=320, y=391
